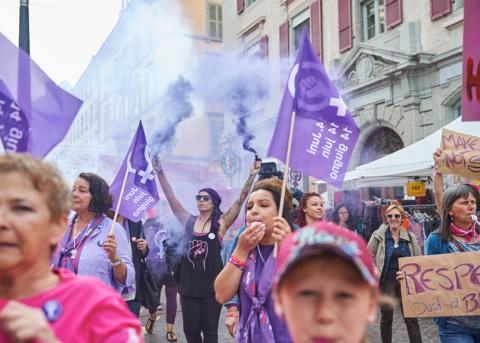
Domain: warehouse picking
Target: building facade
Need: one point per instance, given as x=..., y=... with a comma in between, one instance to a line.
x=149, y=47
x=397, y=63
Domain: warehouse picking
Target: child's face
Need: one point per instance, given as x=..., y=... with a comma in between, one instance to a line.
x=325, y=300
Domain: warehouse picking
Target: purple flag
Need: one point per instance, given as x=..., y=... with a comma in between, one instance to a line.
x=140, y=192
x=35, y=114
x=325, y=133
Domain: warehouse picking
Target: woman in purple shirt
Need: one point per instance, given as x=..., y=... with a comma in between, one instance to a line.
x=251, y=267
x=88, y=248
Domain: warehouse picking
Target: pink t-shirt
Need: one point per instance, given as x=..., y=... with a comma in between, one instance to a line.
x=90, y=311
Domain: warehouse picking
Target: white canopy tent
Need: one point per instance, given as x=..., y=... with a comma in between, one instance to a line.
x=413, y=160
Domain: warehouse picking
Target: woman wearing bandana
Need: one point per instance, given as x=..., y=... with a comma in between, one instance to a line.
x=250, y=270
x=201, y=261
x=458, y=233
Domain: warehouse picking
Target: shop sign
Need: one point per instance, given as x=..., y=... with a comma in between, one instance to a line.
x=416, y=189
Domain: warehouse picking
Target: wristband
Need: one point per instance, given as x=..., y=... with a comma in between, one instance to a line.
x=232, y=315
x=116, y=263
x=435, y=170
x=237, y=263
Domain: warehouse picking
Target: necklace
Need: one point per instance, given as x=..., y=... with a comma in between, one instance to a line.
x=73, y=252
x=260, y=253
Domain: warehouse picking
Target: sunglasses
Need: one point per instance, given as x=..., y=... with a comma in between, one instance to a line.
x=396, y=216
x=199, y=197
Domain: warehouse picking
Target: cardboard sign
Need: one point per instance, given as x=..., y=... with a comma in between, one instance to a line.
x=461, y=154
x=441, y=285
x=416, y=189
x=471, y=61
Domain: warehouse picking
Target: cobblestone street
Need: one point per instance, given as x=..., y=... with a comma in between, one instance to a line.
x=427, y=326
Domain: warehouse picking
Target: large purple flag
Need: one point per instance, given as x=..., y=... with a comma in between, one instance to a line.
x=324, y=133
x=140, y=192
x=35, y=114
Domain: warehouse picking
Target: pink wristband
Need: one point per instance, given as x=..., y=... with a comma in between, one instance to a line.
x=237, y=263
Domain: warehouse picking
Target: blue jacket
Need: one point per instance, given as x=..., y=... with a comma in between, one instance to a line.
x=434, y=246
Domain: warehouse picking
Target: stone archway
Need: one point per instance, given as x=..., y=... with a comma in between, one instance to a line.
x=382, y=141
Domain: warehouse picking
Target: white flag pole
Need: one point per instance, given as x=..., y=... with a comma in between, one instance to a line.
x=285, y=175
x=112, y=228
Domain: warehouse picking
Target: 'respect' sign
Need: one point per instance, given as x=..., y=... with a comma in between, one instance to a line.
x=441, y=285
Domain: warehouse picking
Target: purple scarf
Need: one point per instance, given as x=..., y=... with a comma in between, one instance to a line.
x=257, y=327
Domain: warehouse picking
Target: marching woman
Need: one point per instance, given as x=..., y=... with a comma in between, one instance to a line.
x=250, y=271
x=310, y=209
x=38, y=304
x=387, y=245
x=88, y=248
x=458, y=233
x=201, y=262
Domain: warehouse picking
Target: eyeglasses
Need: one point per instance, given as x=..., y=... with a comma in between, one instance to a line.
x=396, y=216
x=199, y=197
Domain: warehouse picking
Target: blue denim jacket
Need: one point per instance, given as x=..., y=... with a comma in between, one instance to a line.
x=389, y=242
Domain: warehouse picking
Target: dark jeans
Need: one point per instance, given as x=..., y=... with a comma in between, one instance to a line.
x=392, y=288
x=200, y=316
x=456, y=334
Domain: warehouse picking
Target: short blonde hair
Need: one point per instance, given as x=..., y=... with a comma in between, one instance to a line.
x=45, y=177
x=395, y=205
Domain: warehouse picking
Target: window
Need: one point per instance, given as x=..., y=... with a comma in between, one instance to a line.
x=457, y=4
x=249, y=2
x=457, y=109
x=215, y=21
x=373, y=13
x=300, y=23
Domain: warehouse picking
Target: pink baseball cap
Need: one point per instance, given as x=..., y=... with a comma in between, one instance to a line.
x=325, y=237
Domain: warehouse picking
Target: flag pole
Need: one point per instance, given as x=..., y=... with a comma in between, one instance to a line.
x=285, y=175
x=112, y=228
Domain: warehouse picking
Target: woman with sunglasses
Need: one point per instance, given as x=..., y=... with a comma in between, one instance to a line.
x=387, y=244
x=201, y=261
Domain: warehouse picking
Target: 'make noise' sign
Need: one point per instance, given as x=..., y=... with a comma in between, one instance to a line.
x=441, y=285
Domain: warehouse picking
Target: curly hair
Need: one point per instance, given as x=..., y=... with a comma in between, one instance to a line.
x=335, y=218
x=102, y=200
x=45, y=177
x=301, y=220
x=274, y=186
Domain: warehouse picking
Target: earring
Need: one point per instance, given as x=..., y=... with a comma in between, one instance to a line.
x=371, y=318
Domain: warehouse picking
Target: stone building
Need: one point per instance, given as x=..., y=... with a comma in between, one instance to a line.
x=397, y=63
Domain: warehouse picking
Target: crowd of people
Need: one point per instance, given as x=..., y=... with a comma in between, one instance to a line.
x=67, y=269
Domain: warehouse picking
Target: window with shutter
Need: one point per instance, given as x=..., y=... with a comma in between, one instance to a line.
x=283, y=35
x=373, y=14
x=344, y=25
x=316, y=22
x=439, y=8
x=394, y=13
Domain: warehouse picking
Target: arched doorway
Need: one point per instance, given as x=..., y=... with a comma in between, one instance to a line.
x=380, y=142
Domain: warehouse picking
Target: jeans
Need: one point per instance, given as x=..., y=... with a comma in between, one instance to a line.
x=392, y=288
x=456, y=334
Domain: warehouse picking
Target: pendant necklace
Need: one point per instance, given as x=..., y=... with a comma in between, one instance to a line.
x=73, y=252
x=260, y=254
